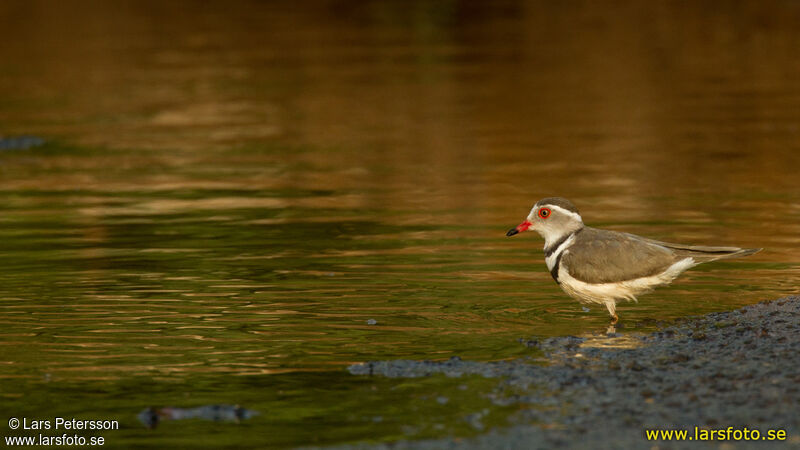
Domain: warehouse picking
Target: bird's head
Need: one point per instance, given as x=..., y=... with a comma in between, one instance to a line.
x=552, y=218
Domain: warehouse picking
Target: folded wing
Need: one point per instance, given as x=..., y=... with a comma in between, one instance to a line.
x=600, y=256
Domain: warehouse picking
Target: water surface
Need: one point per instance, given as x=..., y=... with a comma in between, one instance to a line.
x=232, y=194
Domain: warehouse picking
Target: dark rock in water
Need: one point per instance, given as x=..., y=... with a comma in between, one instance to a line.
x=20, y=142
x=151, y=417
x=530, y=343
x=148, y=417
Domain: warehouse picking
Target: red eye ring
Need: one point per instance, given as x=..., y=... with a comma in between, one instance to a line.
x=544, y=213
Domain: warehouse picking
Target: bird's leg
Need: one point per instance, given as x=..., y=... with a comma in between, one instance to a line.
x=612, y=309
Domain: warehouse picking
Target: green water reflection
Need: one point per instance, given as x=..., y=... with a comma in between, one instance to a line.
x=296, y=409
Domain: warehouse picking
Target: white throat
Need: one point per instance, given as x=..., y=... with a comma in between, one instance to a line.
x=553, y=236
x=553, y=257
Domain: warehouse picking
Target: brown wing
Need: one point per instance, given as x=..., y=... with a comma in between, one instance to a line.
x=600, y=256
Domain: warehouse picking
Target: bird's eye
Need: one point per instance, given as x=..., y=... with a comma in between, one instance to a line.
x=544, y=213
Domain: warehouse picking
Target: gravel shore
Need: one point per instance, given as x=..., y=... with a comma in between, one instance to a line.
x=736, y=369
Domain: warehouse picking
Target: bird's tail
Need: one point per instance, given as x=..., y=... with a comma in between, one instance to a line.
x=702, y=253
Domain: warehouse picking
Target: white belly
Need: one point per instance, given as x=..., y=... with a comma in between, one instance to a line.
x=604, y=293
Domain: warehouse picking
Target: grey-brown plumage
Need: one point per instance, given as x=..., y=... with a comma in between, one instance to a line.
x=600, y=266
x=601, y=256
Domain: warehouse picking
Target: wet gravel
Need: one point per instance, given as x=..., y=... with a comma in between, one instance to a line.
x=730, y=369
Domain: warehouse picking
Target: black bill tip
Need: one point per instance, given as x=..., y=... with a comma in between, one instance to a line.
x=512, y=232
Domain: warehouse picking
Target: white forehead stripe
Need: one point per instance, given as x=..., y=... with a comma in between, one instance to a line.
x=566, y=212
x=574, y=215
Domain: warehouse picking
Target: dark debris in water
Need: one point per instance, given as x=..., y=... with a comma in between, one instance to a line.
x=151, y=417
x=20, y=142
x=737, y=368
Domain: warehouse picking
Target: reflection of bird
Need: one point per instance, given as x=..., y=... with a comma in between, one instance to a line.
x=605, y=267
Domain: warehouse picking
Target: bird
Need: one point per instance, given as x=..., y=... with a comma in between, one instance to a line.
x=606, y=267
